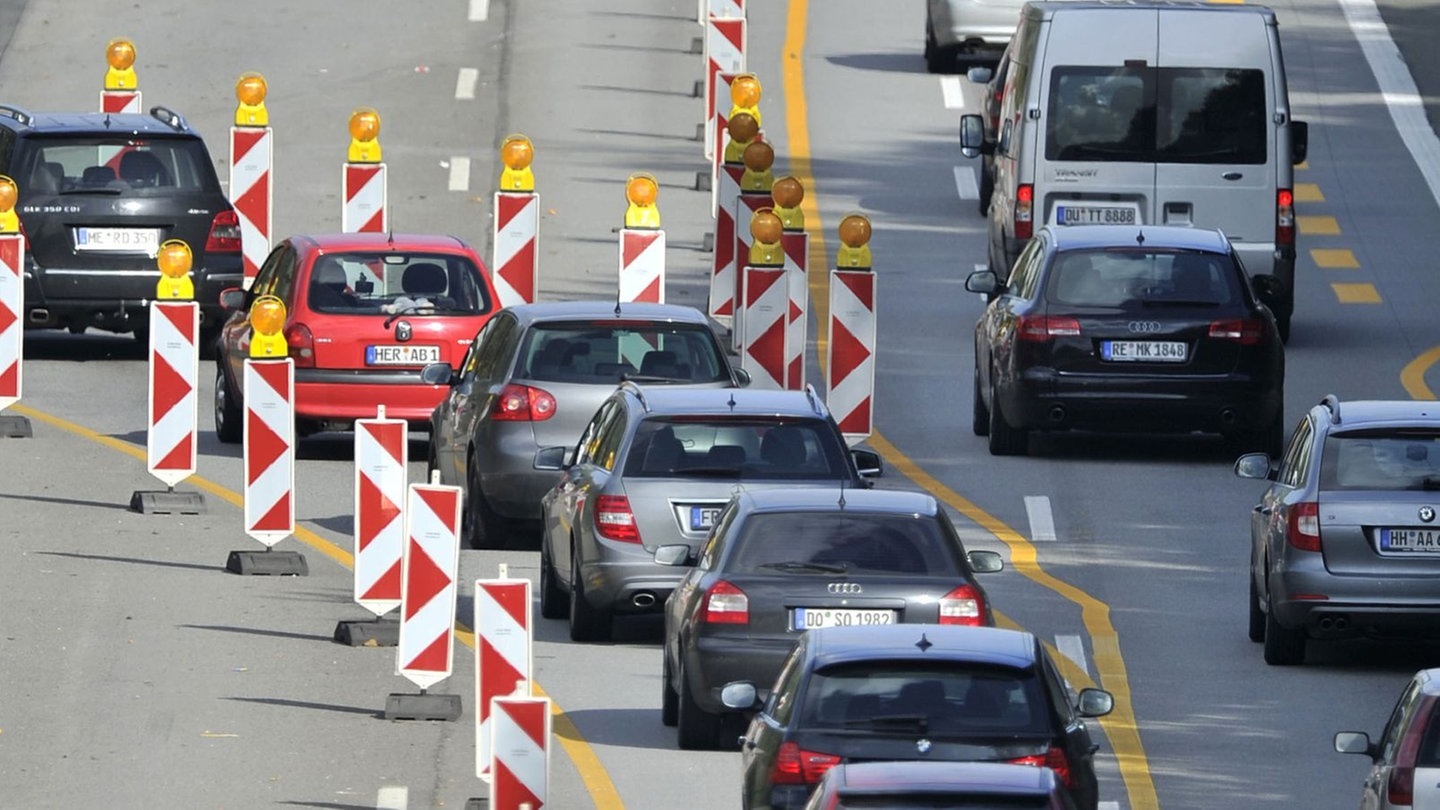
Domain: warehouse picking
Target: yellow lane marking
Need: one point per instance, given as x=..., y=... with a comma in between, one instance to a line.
x=1304, y=164
x=1334, y=258
x=1356, y=293
x=592, y=773
x=1413, y=375
x=1308, y=193
x=1318, y=225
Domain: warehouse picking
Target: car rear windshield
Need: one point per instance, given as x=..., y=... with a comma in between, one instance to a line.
x=856, y=542
x=751, y=448
x=935, y=800
x=1381, y=460
x=956, y=698
x=1157, y=115
x=1143, y=278
x=610, y=350
x=397, y=283
x=117, y=165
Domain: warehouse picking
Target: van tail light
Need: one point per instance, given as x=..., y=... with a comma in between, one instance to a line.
x=1024, y=207
x=1041, y=328
x=796, y=766
x=614, y=520
x=725, y=603
x=1284, y=218
x=224, y=233
x=302, y=345
x=964, y=605
x=1302, y=526
x=522, y=403
x=1245, y=331
x=1055, y=760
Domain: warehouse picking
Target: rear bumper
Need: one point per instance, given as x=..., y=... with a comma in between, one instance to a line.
x=614, y=584
x=117, y=299
x=710, y=663
x=344, y=396
x=1042, y=399
x=1356, y=606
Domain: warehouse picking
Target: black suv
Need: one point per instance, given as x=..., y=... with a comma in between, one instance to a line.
x=99, y=193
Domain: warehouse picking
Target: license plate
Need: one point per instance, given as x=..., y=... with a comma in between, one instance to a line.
x=401, y=355
x=812, y=618
x=1143, y=351
x=1096, y=215
x=1424, y=541
x=702, y=518
x=118, y=240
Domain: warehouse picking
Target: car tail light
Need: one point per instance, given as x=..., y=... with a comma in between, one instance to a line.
x=224, y=233
x=1247, y=331
x=1040, y=328
x=522, y=403
x=302, y=345
x=614, y=520
x=725, y=604
x=796, y=766
x=1302, y=526
x=1400, y=790
x=1024, y=205
x=1284, y=217
x=1055, y=760
x=964, y=605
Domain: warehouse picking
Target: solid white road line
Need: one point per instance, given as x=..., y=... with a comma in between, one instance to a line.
x=479, y=10
x=965, y=182
x=950, y=89
x=1073, y=648
x=465, y=83
x=1042, y=523
x=1108, y=806
x=392, y=797
x=459, y=174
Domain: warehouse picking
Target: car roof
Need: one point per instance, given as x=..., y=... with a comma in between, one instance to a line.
x=1371, y=413
x=921, y=776
x=1070, y=237
x=568, y=310
x=371, y=241
x=95, y=123
x=827, y=499
x=921, y=642
x=669, y=400
x=1048, y=6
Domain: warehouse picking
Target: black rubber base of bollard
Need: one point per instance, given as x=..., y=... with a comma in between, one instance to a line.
x=267, y=563
x=474, y=803
x=167, y=502
x=15, y=427
x=375, y=633
x=422, y=707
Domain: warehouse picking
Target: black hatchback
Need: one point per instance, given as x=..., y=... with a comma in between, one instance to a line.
x=784, y=561
x=1155, y=329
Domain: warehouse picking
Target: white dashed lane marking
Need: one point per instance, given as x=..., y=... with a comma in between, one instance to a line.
x=459, y=174
x=465, y=83
x=965, y=182
x=950, y=89
x=392, y=797
x=479, y=10
x=1073, y=647
x=1042, y=523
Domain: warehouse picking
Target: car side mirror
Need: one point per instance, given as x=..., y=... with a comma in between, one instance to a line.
x=980, y=74
x=437, y=374
x=1094, y=703
x=554, y=459
x=233, y=299
x=972, y=135
x=867, y=463
x=984, y=282
x=740, y=696
x=1254, y=465
x=1299, y=142
x=675, y=554
x=742, y=377
x=1354, y=742
x=985, y=562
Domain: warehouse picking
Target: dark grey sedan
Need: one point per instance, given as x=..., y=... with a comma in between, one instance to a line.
x=784, y=561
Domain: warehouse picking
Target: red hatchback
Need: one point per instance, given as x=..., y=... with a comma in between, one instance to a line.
x=365, y=313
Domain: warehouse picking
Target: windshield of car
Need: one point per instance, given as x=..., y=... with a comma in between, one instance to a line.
x=935, y=698
x=115, y=165
x=1143, y=278
x=608, y=351
x=843, y=542
x=750, y=448
x=1381, y=460
x=397, y=283
x=937, y=800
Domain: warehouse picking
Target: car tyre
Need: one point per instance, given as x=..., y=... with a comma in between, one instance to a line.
x=669, y=698
x=1257, y=616
x=979, y=414
x=1004, y=439
x=587, y=622
x=697, y=729
x=987, y=190
x=482, y=527
x=1283, y=647
x=229, y=424
x=553, y=599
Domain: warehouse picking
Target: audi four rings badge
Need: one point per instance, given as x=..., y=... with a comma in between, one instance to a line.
x=843, y=587
x=1144, y=327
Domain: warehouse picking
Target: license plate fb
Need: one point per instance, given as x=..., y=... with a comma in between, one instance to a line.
x=1143, y=351
x=401, y=355
x=814, y=618
x=702, y=518
x=1410, y=541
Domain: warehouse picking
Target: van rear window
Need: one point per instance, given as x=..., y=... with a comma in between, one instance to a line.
x=1157, y=115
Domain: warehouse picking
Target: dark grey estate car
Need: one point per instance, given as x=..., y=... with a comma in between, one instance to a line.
x=1344, y=541
x=99, y=193
x=784, y=561
x=655, y=467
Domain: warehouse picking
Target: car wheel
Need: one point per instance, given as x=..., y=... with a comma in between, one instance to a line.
x=587, y=623
x=1257, y=616
x=1283, y=647
x=987, y=190
x=698, y=730
x=669, y=698
x=552, y=598
x=1282, y=324
x=229, y=425
x=482, y=527
x=1004, y=439
x=979, y=414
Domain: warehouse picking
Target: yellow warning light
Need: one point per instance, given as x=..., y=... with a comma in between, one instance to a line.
x=250, y=91
x=120, y=55
x=787, y=193
x=745, y=91
x=759, y=157
x=765, y=249
x=9, y=194
x=267, y=319
x=365, y=136
x=854, y=249
x=641, y=191
x=743, y=129
x=517, y=152
x=174, y=260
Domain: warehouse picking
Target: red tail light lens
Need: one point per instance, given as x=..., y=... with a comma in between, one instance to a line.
x=1284, y=217
x=521, y=403
x=1246, y=331
x=796, y=766
x=224, y=233
x=1055, y=760
x=1400, y=790
x=964, y=605
x=725, y=604
x=614, y=520
x=1040, y=328
x=1024, y=207
x=302, y=345
x=1302, y=526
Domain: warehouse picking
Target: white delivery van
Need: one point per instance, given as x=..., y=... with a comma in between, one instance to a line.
x=1146, y=112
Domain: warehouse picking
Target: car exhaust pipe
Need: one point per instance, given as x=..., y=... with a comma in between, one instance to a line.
x=1227, y=416
x=1057, y=414
x=643, y=599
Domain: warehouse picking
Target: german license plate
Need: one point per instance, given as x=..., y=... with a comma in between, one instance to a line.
x=1096, y=215
x=401, y=355
x=1424, y=541
x=812, y=618
x=702, y=518
x=1143, y=351
x=118, y=240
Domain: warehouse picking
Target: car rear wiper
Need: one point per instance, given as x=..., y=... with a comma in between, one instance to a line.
x=1177, y=302
x=800, y=565
x=650, y=378
x=431, y=308
x=114, y=192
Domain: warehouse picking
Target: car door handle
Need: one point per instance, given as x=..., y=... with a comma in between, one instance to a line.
x=1264, y=510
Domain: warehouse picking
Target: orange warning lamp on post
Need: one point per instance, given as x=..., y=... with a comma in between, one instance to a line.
x=787, y=193
x=9, y=194
x=759, y=157
x=517, y=152
x=743, y=129
x=765, y=248
x=854, y=252
x=745, y=96
x=267, y=321
x=641, y=191
x=365, y=136
x=174, y=261
x=250, y=90
x=120, y=54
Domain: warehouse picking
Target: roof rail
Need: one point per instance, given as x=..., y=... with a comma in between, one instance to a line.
x=169, y=117
x=634, y=388
x=1332, y=403
x=814, y=398
x=21, y=116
